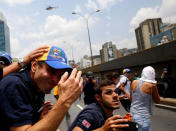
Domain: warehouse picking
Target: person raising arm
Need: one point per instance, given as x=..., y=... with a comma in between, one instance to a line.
x=22, y=93
x=16, y=66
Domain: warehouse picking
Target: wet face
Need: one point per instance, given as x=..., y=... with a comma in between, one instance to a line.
x=45, y=77
x=110, y=98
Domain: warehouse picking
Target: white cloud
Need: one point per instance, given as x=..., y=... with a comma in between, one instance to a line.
x=126, y=43
x=166, y=11
x=14, y=44
x=14, y=2
x=24, y=20
x=168, y=8
x=91, y=4
x=141, y=15
x=32, y=35
x=101, y=4
x=108, y=18
x=2, y=17
x=95, y=49
x=78, y=8
x=105, y=3
x=36, y=13
x=58, y=27
x=54, y=31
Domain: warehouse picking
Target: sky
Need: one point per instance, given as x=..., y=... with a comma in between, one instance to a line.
x=32, y=26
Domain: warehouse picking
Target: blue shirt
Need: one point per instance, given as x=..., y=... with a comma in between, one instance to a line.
x=19, y=101
x=1, y=72
x=90, y=118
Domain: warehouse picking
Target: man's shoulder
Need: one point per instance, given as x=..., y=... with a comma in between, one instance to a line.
x=22, y=75
x=14, y=77
x=10, y=78
x=89, y=118
x=93, y=106
x=11, y=81
x=92, y=110
x=123, y=78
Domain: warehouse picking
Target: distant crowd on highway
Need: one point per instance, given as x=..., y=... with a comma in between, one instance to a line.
x=25, y=82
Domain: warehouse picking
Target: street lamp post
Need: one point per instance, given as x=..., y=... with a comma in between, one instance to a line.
x=87, y=25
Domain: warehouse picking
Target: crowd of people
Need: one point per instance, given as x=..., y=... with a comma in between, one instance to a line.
x=25, y=82
x=136, y=95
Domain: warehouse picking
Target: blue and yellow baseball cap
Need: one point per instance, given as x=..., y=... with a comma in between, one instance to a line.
x=126, y=70
x=5, y=57
x=55, y=58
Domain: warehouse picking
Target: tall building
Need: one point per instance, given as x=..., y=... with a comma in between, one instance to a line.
x=96, y=59
x=4, y=35
x=119, y=54
x=167, y=30
x=108, y=52
x=147, y=29
x=85, y=62
x=126, y=51
x=71, y=63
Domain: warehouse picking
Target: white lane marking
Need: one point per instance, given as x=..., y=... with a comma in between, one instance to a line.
x=167, y=106
x=80, y=107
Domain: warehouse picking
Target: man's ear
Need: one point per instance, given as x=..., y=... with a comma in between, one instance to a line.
x=98, y=98
x=34, y=65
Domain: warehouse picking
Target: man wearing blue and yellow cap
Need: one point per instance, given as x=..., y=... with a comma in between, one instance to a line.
x=22, y=94
x=123, y=87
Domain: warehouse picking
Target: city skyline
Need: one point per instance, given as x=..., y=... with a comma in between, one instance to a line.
x=31, y=25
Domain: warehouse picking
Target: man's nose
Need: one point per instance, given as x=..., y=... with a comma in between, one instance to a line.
x=115, y=94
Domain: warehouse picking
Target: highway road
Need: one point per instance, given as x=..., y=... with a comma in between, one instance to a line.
x=162, y=119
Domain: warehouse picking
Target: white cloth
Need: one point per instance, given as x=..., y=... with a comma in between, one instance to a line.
x=123, y=79
x=148, y=75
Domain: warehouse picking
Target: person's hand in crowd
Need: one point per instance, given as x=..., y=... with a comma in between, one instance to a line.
x=115, y=123
x=121, y=87
x=46, y=108
x=70, y=87
x=125, y=96
x=34, y=54
x=122, y=97
x=14, y=67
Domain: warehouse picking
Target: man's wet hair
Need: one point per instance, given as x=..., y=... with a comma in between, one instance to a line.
x=101, y=84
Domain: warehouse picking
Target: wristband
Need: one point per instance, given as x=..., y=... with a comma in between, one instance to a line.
x=21, y=62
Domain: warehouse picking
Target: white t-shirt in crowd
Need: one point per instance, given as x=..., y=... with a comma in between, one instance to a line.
x=123, y=79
